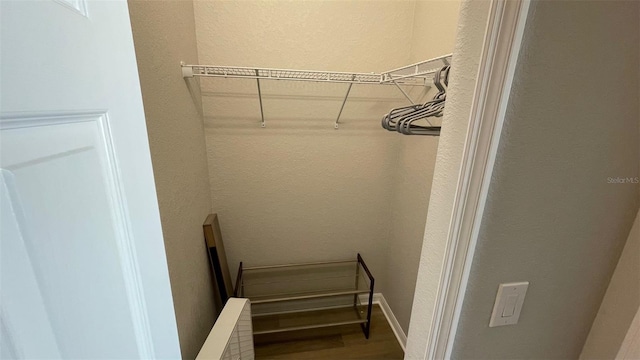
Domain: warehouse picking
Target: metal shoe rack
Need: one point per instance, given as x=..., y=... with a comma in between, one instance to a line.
x=296, y=297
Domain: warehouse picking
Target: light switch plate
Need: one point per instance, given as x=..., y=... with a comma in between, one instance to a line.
x=509, y=301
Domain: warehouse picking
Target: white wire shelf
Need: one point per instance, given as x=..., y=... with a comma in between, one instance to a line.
x=414, y=74
x=418, y=74
x=288, y=74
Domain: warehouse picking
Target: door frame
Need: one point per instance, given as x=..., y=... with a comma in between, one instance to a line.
x=502, y=43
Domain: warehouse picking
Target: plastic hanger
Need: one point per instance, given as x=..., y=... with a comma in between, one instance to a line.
x=433, y=108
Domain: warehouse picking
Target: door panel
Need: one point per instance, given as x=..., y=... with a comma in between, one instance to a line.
x=65, y=199
x=83, y=267
x=24, y=319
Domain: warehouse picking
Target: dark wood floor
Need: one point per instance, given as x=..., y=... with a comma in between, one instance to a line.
x=344, y=342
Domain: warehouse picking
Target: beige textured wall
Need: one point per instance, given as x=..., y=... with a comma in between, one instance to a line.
x=416, y=162
x=552, y=218
x=620, y=303
x=298, y=190
x=468, y=46
x=434, y=28
x=164, y=35
x=611, y=327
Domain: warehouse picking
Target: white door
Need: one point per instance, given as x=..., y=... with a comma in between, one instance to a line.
x=82, y=261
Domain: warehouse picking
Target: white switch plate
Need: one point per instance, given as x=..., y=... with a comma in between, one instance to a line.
x=509, y=300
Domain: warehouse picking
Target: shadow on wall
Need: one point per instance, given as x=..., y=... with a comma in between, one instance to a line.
x=234, y=104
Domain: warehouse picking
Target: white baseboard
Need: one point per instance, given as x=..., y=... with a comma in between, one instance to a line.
x=379, y=299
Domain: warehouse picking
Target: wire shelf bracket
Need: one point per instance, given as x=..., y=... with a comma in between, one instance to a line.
x=420, y=70
x=342, y=107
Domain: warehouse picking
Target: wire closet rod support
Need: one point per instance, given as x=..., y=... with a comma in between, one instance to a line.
x=260, y=99
x=344, y=101
x=403, y=92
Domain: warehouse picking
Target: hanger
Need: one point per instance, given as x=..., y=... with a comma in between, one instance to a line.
x=433, y=108
x=401, y=119
x=389, y=121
